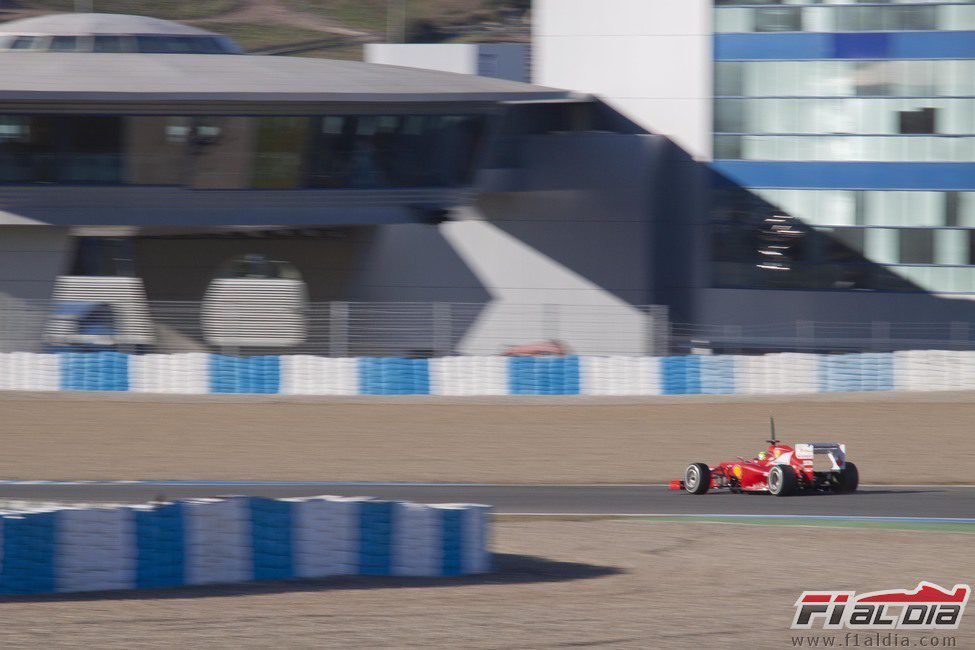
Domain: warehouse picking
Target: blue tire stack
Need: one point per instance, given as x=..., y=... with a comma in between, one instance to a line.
x=680, y=375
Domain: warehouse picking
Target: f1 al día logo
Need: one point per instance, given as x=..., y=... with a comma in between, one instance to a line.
x=926, y=607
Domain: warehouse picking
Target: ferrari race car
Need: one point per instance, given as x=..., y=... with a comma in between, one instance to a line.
x=780, y=470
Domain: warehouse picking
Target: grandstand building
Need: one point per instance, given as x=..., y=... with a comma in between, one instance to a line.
x=839, y=134
x=738, y=165
x=168, y=168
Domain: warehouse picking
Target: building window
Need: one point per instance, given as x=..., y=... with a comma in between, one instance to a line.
x=154, y=44
x=369, y=151
x=23, y=43
x=104, y=257
x=64, y=44
x=727, y=147
x=778, y=19
x=231, y=152
x=841, y=245
x=729, y=78
x=919, y=121
x=728, y=116
x=917, y=246
x=258, y=266
x=911, y=18
x=108, y=44
x=14, y=128
x=773, y=16
x=61, y=149
x=951, y=208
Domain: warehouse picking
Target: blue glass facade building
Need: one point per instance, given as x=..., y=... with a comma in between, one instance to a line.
x=852, y=127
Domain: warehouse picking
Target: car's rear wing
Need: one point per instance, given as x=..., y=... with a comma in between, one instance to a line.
x=834, y=450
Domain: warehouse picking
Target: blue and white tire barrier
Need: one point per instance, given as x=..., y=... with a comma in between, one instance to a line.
x=303, y=374
x=237, y=539
x=469, y=376
x=170, y=373
x=29, y=371
x=779, y=373
x=619, y=375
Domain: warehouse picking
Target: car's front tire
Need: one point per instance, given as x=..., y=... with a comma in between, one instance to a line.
x=848, y=480
x=783, y=481
x=697, y=478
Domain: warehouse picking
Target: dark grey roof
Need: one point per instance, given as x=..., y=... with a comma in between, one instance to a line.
x=216, y=77
x=84, y=24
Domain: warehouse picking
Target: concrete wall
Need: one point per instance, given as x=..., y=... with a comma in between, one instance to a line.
x=498, y=60
x=31, y=258
x=566, y=254
x=570, y=253
x=182, y=268
x=573, y=243
x=755, y=306
x=180, y=206
x=650, y=59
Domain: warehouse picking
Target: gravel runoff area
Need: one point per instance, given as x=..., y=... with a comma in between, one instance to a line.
x=895, y=438
x=612, y=583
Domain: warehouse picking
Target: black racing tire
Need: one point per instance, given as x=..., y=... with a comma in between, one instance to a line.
x=848, y=480
x=697, y=478
x=783, y=481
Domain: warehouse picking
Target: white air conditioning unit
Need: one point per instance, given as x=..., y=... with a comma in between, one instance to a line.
x=263, y=312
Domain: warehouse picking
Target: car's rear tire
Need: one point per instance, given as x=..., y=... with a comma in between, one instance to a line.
x=783, y=481
x=697, y=478
x=848, y=480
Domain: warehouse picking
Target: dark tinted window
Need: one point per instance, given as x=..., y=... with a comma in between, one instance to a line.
x=395, y=150
x=209, y=45
x=61, y=149
x=912, y=17
x=104, y=256
x=920, y=121
x=335, y=151
x=917, y=246
x=177, y=44
x=64, y=44
x=779, y=19
x=727, y=147
x=108, y=44
x=728, y=116
x=729, y=78
x=22, y=43
x=851, y=238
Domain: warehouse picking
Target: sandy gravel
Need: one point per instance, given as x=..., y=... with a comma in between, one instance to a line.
x=895, y=438
x=628, y=584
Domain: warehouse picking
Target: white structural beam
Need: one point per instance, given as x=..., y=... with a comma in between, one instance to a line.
x=538, y=297
x=649, y=59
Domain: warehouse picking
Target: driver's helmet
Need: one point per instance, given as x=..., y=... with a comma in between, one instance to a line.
x=763, y=456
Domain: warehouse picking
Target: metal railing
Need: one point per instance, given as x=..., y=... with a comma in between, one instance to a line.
x=429, y=329
x=338, y=329
x=822, y=337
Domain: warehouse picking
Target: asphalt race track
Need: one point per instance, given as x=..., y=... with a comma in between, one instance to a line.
x=870, y=501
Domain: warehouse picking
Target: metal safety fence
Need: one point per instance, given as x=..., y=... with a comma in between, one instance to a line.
x=821, y=337
x=272, y=325
x=431, y=329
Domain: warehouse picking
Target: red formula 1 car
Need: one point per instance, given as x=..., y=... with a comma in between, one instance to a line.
x=780, y=470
